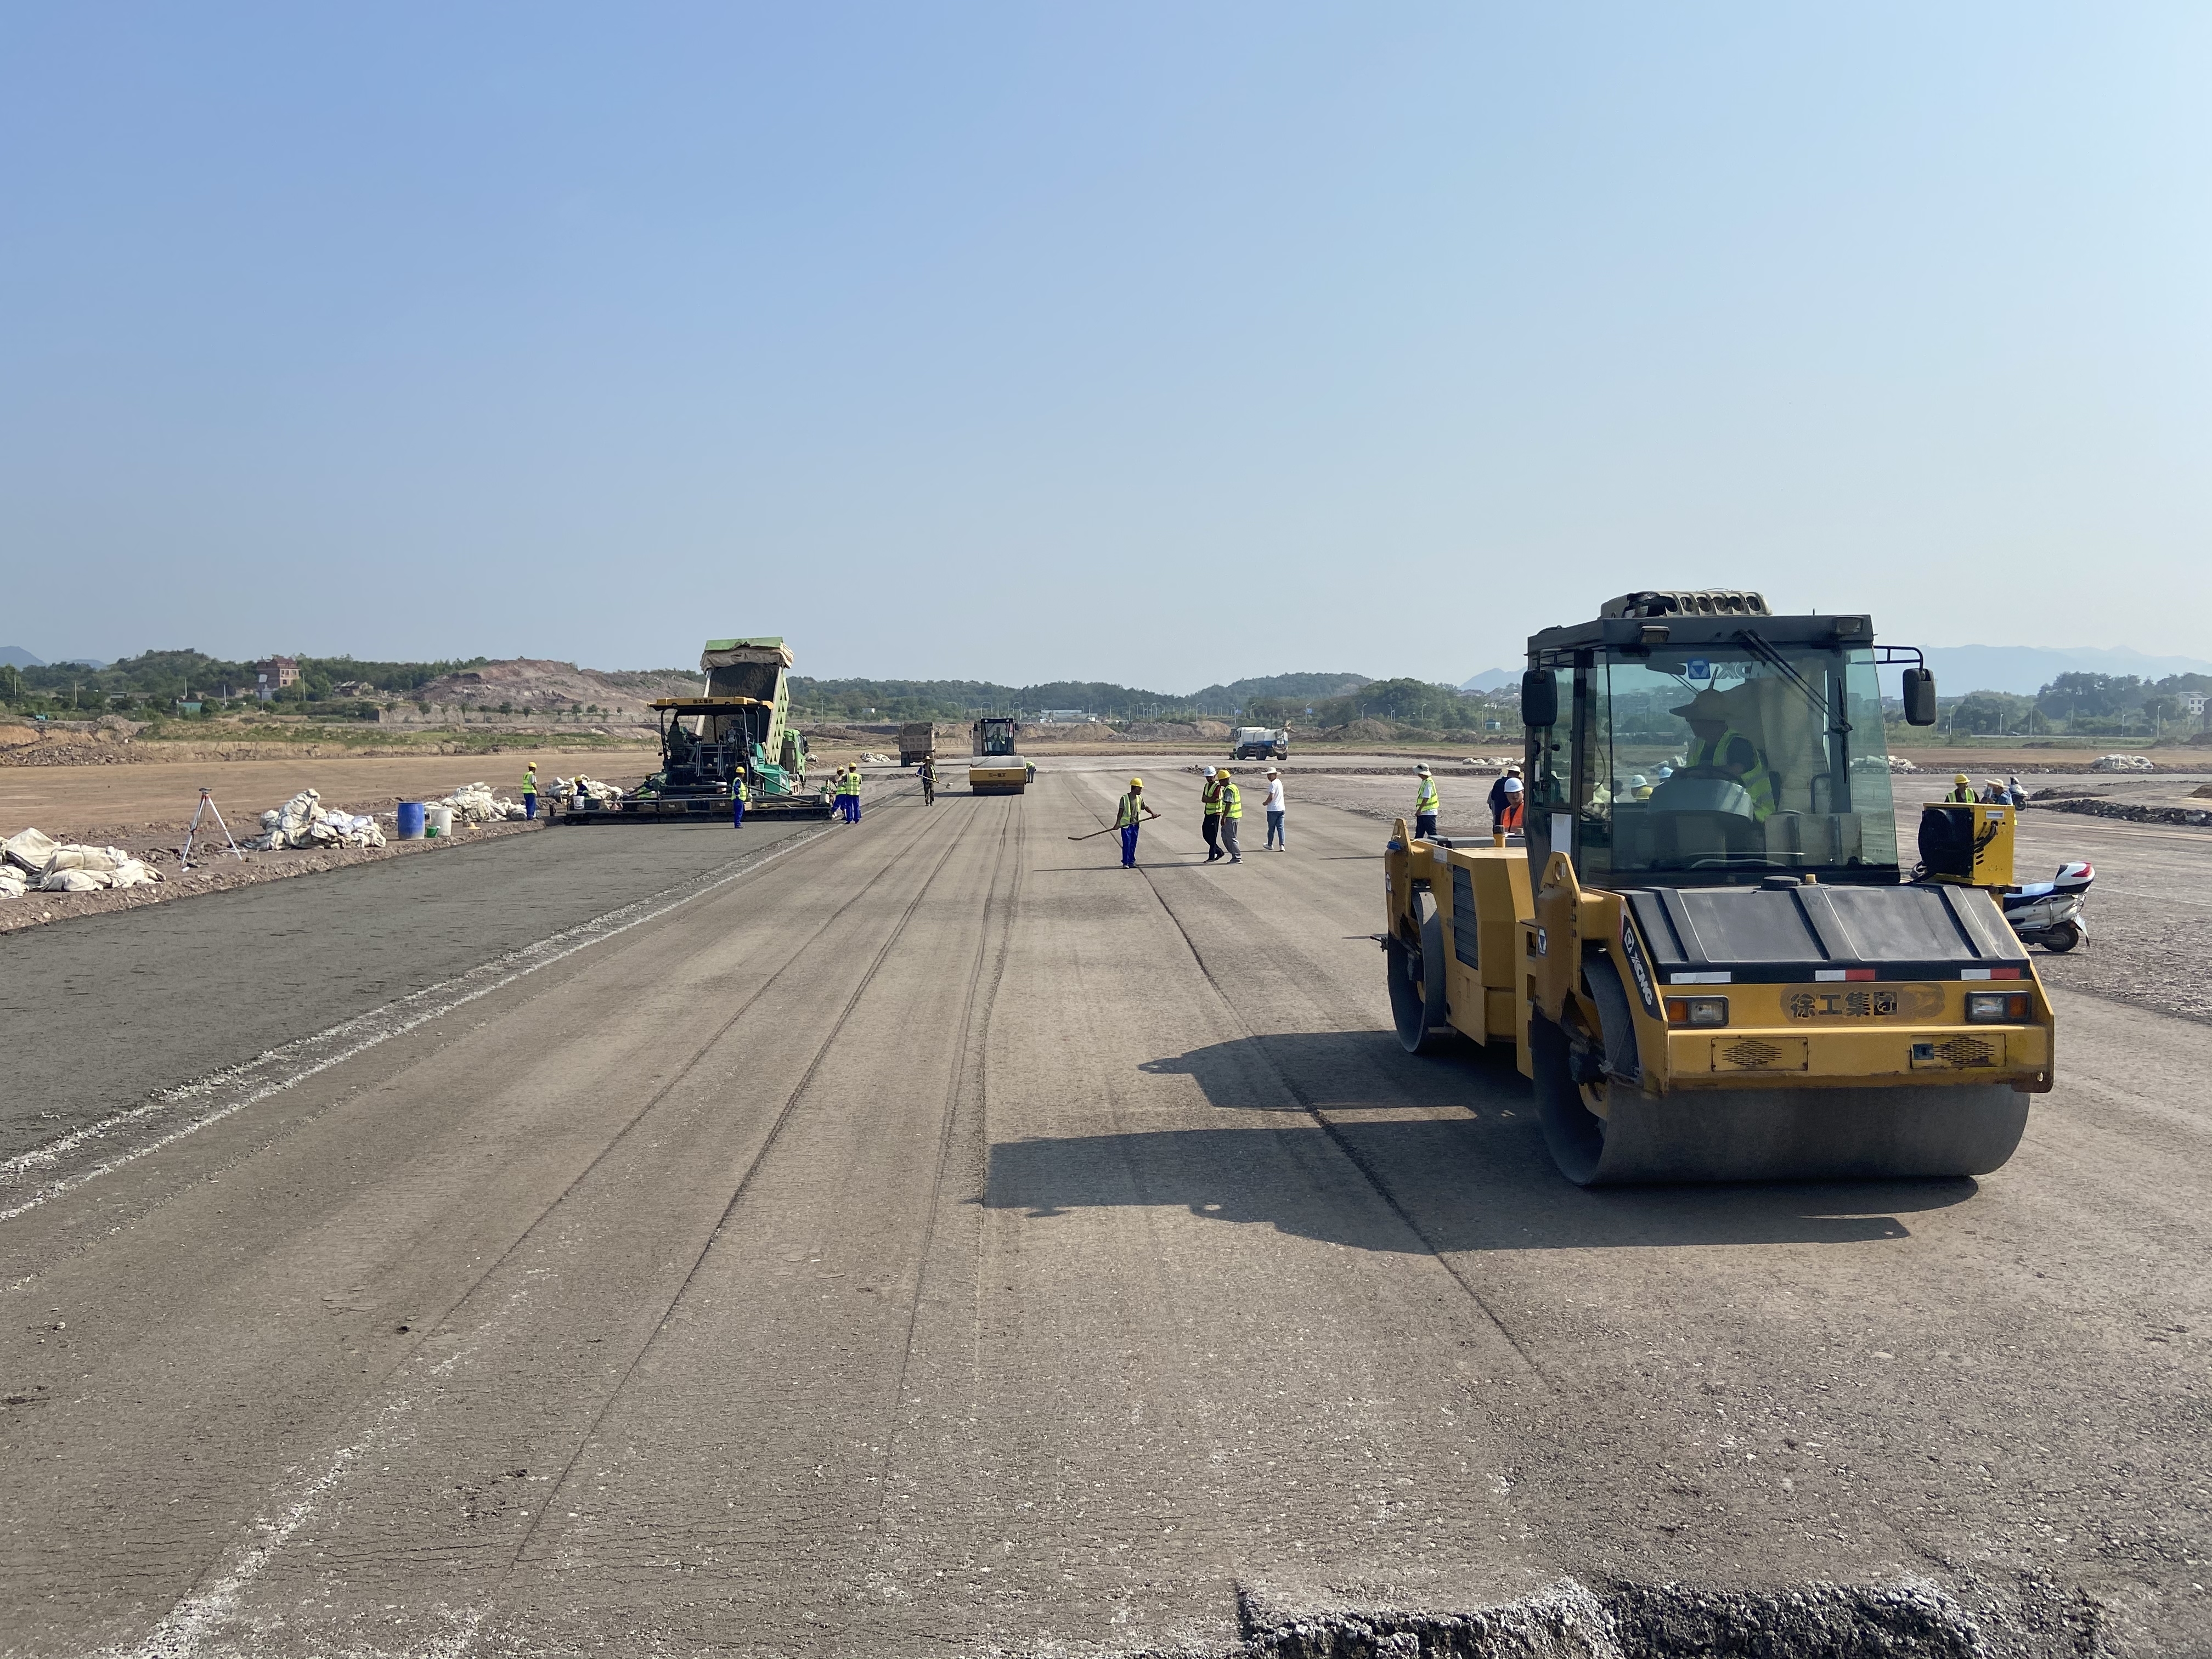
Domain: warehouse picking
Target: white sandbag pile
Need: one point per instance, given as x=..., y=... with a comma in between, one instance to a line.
x=474, y=803
x=2123, y=763
x=304, y=820
x=564, y=789
x=35, y=862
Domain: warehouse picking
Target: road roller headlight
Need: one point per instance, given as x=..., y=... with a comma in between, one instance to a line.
x=1697, y=1011
x=1996, y=1008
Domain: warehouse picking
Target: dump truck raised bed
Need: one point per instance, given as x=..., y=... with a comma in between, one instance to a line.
x=1709, y=959
x=736, y=728
x=997, y=768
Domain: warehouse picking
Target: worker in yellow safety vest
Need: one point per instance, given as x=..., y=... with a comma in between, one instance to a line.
x=530, y=790
x=1426, y=803
x=1962, y=788
x=740, y=798
x=1209, y=797
x=1232, y=816
x=853, y=785
x=1719, y=747
x=1130, y=815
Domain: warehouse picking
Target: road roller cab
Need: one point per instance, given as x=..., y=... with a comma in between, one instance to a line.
x=998, y=768
x=1711, y=960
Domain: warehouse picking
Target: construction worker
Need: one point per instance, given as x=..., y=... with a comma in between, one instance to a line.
x=1128, y=817
x=855, y=777
x=1962, y=788
x=1425, y=803
x=740, y=797
x=1232, y=816
x=530, y=791
x=1504, y=801
x=1719, y=747
x=928, y=770
x=1209, y=797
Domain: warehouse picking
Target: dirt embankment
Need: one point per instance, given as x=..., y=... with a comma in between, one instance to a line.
x=525, y=687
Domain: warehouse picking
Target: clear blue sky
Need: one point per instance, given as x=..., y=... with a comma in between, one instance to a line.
x=1156, y=343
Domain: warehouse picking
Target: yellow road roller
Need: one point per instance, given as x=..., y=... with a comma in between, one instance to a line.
x=1710, y=958
x=996, y=768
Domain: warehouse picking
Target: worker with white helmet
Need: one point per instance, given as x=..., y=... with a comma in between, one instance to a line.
x=1209, y=799
x=1427, y=801
x=1128, y=816
x=1505, y=803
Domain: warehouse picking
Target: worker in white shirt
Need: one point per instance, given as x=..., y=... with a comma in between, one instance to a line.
x=1275, y=841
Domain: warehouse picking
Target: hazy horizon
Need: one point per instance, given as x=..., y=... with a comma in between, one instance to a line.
x=1149, y=345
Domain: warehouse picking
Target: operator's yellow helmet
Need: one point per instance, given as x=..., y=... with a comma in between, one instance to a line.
x=1960, y=777
x=1136, y=783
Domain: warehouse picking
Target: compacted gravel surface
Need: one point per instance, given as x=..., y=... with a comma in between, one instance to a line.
x=930, y=1237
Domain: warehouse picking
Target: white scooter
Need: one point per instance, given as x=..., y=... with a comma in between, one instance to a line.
x=2049, y=912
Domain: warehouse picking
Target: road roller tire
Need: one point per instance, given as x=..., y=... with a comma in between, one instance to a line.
x=1897, y=1132
x=1418, y=1008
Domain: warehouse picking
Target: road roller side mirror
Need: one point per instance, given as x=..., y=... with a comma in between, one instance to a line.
x=1539, y=698
x=1919, y=697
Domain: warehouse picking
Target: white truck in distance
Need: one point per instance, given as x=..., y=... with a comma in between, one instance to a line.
x=1261, y=743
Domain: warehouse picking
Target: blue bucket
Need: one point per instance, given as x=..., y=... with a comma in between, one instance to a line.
x=411, y=820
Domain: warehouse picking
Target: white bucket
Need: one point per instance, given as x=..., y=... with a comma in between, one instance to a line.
x=442, y=821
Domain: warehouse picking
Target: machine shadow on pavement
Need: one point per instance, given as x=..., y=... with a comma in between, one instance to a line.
x=1477, y=1179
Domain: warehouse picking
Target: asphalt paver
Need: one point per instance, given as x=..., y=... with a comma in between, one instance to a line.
x=943, y=1239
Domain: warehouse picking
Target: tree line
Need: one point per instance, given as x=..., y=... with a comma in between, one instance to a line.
x=2098, y=705
x=952, y=700
x=160, y=679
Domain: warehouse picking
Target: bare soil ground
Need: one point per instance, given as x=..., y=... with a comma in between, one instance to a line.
x=145, y=809
x=72, y=801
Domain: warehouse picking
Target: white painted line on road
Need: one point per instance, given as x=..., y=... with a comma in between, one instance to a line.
x=233, y=1090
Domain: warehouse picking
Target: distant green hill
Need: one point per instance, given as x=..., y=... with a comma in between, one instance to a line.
x=915, y=700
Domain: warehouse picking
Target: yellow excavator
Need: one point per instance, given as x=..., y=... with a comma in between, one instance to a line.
x=1709, y=956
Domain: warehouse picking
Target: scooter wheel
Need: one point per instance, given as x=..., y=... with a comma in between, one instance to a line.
x=2063, y=937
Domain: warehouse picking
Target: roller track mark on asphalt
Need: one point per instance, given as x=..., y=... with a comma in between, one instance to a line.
x=973, y=1057
x=202, y=1610
x=1351, y=1154
x=292, y=1063
x=199, y=1612
x=738, y=1195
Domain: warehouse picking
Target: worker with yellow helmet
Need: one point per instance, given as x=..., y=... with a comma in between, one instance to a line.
x=1128, y=816
x=1962, y=788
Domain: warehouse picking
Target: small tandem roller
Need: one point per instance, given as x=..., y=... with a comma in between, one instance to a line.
x=1708, y=958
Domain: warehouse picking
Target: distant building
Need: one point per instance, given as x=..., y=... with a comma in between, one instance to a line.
x=274, y=675
x=1066, y=717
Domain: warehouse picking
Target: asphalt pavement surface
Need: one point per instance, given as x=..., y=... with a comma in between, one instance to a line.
x=931, y=1237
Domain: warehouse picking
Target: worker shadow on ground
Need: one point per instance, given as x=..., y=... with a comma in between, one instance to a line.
x=1472, y=1174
